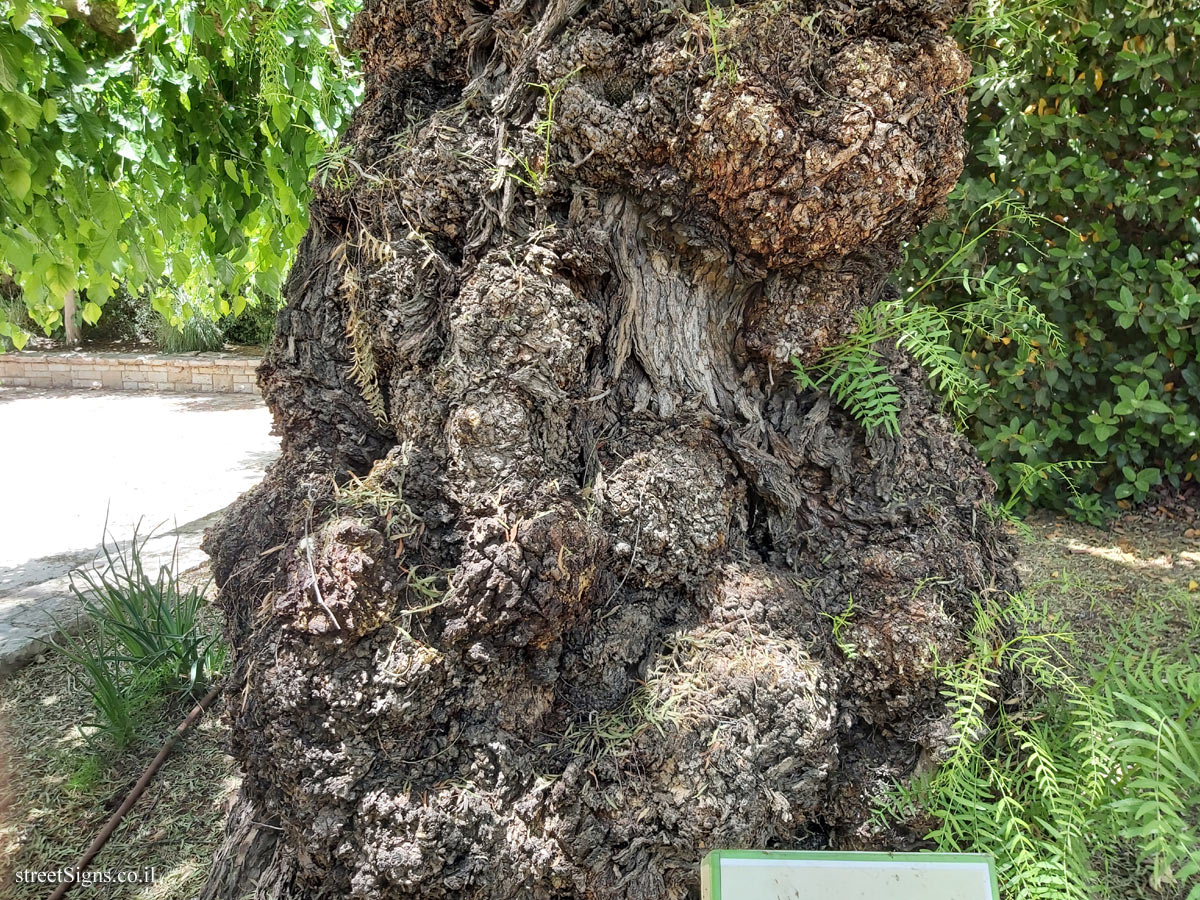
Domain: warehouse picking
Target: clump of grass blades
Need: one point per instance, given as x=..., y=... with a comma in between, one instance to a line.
x=1092, y=785
x=142, y=640
x=197, y=334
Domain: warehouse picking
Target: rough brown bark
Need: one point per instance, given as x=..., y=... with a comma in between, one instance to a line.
x=539, y=600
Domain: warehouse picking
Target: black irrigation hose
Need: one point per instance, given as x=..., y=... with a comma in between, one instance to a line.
x=138, y=789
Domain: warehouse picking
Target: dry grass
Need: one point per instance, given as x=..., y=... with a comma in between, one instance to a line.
x=56, y=792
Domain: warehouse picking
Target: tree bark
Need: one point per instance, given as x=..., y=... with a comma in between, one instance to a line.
x=71, y=332
x=102, y=18
x=560, y=581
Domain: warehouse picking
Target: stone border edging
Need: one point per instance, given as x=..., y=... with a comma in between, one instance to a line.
x=228, y=373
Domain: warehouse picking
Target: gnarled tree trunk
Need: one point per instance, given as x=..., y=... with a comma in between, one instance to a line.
x=560, y=581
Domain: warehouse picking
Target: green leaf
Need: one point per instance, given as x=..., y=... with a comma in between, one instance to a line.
x=16, y=177
x=22, y=109
x=60, y=279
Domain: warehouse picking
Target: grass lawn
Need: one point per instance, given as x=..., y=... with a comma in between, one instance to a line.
x=1138, y=579
x=1140, y=576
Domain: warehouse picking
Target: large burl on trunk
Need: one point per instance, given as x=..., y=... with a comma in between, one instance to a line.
x=560, y=581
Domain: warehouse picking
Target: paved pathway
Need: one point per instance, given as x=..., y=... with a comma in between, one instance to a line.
x=69, y=459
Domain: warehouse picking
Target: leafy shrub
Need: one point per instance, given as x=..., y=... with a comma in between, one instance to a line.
x=1092, y=786
x=255, y=325
x=1085, y=112
x=195, y=334
x=124, y=319
x=142, y=638
x=14, y=323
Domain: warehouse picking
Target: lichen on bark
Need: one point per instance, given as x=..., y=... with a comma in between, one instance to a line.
x=560, y=581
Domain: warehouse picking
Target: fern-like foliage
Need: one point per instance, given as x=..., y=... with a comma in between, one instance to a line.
x=278, y=46
x=1102, y=763
x=853, y=371
x=1157, y=738
x=860, y=384
x=363, y=368
x=271, y=43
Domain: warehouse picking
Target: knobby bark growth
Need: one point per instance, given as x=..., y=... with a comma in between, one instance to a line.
x=560, y=581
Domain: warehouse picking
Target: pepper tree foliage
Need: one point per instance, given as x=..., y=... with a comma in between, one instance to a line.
x=166, y=146
x=1087, y=114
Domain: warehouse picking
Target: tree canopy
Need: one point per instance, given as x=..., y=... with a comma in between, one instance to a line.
x=165, y=146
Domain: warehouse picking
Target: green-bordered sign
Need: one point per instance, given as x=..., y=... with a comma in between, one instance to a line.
x=795, y=875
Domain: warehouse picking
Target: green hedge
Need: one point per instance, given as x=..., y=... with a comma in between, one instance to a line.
x=1090, y=114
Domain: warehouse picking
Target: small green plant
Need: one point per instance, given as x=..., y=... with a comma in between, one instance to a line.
x=535, y=175
x=1025, y=488
x=854, y=371
x=841, y=622
x=155, y=621
x=428, y=590
x=607, y=733
x=334, y=168
x=141, y=638
x=370, y=495
x=196, y=334
x=116, y=690
x=724, y=68
x=254, y=325
x=86, y=772
x=380, y=496
x=538, y=170
x=14, y=323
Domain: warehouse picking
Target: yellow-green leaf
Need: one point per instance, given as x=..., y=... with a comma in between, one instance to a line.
x=60, y=279
x=16, y=176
